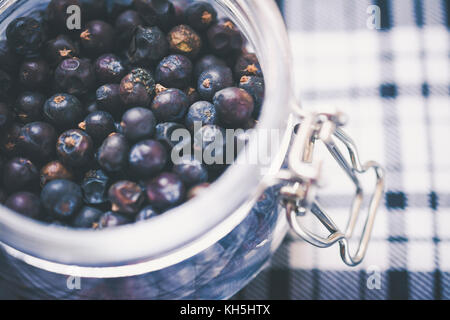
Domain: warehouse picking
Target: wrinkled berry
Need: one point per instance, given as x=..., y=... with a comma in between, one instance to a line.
x=138, y=124
x=165, y=191
x=213, y=80
x=75, y=76
x=247, y=65
x=147, y=158
x=61, y=199
x=184, y=40
x=126, y=197
x=156, y=12
x=234, y=106
x=148, y=46
x=25, y=203
x=170, y=105
x=174, y=71
x=26, y=36
x=54, y=170
x=112, y=156
x=75, y=148
x=98, y=125
x=137, y=88
x=37, y=141
x=125, y=25
x=95, y=186
x=64, y=111
x=202, y=113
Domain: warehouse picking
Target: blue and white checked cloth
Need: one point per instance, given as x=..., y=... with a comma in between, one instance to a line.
x=394, y=84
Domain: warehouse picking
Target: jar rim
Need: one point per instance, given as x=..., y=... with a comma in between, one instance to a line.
x=158, y=243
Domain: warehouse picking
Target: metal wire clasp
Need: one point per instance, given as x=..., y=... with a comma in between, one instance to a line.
x=301, y=183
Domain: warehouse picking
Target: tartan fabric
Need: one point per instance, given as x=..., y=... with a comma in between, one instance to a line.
x=394, y=83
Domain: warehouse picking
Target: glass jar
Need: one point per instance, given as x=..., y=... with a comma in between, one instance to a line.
x=208, y=248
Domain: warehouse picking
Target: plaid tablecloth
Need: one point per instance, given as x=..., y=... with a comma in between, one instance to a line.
x=394, y=84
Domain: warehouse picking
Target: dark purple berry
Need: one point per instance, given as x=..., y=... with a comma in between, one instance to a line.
x=247, y=65
x=191, y=171
x=112, y=156
x=6, y=84
x=125, y=25
x=255, y=87
x=210, y=144
x=75, y=148
x=225, y=38
x=207, y=62
x=25, y=203
x=54, y=170
x=93, y=9
x=75, y=76
x=192, y=95
x=197, y=190
x=34, y=74
x=25, y=35
x=8, y=58
x=97, y=38
x=20, y=174
x=184, y=40
x=61, y=199
x=61, y=48
x=37, y=141
x=148, y=46
x=170, y=105
x=147, y=158
x=174, y=71
x=64, y=111
x=146, y=213
x=9, y=139
x=111, y=219
x=200, y=113
x=98, y=125
x=57, y=15
x=156, y=12
x=95, y=186
x=234, y=106
x=6, y=117
x=137, y=88
x=87, y=218
x=214, y=80
x=126, y=197
x=29, y=107
x=164, y=134
x=165, y=191
x=116, y=7
x=109, y=69
x=200, y=15
x=138, y=124
x=109, y=99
